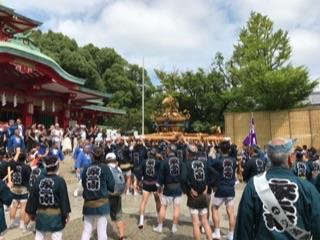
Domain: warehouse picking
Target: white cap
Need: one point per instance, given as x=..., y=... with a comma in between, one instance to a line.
x=111, y=156
x=227, y=139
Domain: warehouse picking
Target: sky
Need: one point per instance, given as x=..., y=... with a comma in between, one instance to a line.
x=176, y=34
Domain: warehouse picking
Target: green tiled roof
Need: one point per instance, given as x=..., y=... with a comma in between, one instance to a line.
x=95, y=101
x=94, y=92
x=104, y=109
x=29, y=52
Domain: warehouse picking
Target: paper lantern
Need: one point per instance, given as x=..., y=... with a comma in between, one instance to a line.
x=43, y=105
x=67, y=113
x=15, y=101
x=53, y=106
x=30, y=108
x=3, y=99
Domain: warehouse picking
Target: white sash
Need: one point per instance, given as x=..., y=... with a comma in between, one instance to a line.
x=268, y=199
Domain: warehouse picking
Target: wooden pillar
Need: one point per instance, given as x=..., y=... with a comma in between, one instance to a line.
x=64, y=117
x=79, y=116
x=94, y=118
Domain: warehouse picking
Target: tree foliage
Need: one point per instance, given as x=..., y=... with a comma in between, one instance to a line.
x=261, y=68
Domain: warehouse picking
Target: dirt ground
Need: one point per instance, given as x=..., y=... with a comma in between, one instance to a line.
x=130, y=204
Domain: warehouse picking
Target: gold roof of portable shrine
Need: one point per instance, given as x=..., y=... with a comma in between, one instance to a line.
x=170, y=112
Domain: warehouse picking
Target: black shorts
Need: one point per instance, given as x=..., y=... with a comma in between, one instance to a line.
x=115, y=208
x=149, y=187
x=20, y=197
x=199, y=202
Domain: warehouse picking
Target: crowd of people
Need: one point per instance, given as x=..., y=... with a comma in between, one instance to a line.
x=280, y=200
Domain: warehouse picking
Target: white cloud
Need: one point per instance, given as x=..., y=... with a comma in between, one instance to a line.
x=57, y=7
x=306, y=45
x=182, y=34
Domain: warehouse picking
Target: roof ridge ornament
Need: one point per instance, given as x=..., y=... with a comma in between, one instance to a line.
x=25, y=39
x=12, y=23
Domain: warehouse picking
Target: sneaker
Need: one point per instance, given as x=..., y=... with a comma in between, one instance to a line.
x=13, y=225
x=157, y=229
x=230, y=236
x=174, y=229
x=216, y=235
x=75, y=193
x=31, y=227
x=24, y=228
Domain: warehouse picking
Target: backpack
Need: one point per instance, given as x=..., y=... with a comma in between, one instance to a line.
x=119, y=182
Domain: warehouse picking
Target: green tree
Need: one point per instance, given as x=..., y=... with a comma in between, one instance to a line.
x=260, y=67
x=52, y=44
x=75, y=60
x=125, y=82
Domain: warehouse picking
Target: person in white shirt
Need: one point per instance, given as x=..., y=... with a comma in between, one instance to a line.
x=20, y=127
x=83, y=133
x=56, y=134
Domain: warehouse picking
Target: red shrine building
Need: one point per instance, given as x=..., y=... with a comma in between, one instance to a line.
x=34, y=88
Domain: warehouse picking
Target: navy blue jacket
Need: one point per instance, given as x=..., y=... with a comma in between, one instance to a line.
x=182, y=151
x=170, y=176
x=123, y=157
x=253, y=166
x=148, y=170
x=5, y=198
x=313, y=170
x=21, y=175
x=97, y=181
x=226, y=167
x=198, y=175
x=138, y=154
x=300, y=169
x=49, y=191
